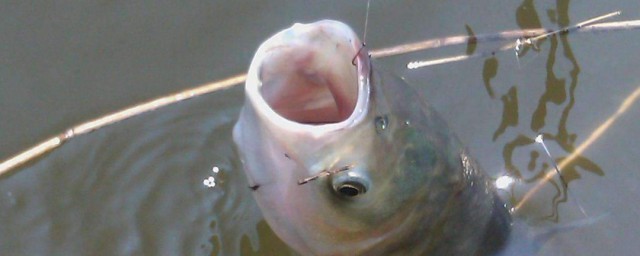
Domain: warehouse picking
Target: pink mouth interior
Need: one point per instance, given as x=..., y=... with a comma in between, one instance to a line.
x=310, y=85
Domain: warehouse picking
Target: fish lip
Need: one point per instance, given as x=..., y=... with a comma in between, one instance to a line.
x=268, y=114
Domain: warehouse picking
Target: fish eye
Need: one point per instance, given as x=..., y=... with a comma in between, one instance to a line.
x=350, y=184
x=351, y=189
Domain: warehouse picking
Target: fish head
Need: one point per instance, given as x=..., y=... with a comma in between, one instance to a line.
x=344, y=160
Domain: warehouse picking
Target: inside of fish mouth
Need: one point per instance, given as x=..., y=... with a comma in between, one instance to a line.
x=311, y=85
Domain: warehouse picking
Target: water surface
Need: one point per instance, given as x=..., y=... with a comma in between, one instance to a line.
x=137, y=187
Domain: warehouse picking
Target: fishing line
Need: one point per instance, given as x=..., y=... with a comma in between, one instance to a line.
x=594, y=136
x=540, y=140
x=364, y=34
x=366, y=23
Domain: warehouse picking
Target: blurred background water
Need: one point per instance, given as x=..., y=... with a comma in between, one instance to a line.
x=137, y=187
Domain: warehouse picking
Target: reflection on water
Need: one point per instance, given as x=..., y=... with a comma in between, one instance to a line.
x=269, y=243
x=559, y=91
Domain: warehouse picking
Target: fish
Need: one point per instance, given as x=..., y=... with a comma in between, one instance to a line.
x=346, y=159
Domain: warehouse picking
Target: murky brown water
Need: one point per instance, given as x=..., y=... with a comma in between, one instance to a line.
x=137, y=187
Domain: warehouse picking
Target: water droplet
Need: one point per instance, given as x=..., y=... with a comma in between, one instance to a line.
x=520, y=44
x=539, y=138
x=69, y=133
x=210, y=182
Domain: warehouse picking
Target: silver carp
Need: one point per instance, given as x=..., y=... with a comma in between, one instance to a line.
x=347, y=160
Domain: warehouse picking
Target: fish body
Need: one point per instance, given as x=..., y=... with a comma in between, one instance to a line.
x=347, y=160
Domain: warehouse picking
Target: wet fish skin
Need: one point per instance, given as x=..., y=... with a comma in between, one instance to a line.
x=424, y=194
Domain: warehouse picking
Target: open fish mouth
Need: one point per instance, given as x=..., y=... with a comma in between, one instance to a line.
x=381, y=172
x=311, y=74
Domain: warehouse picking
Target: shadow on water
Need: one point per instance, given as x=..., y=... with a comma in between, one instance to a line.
x=559, y=91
